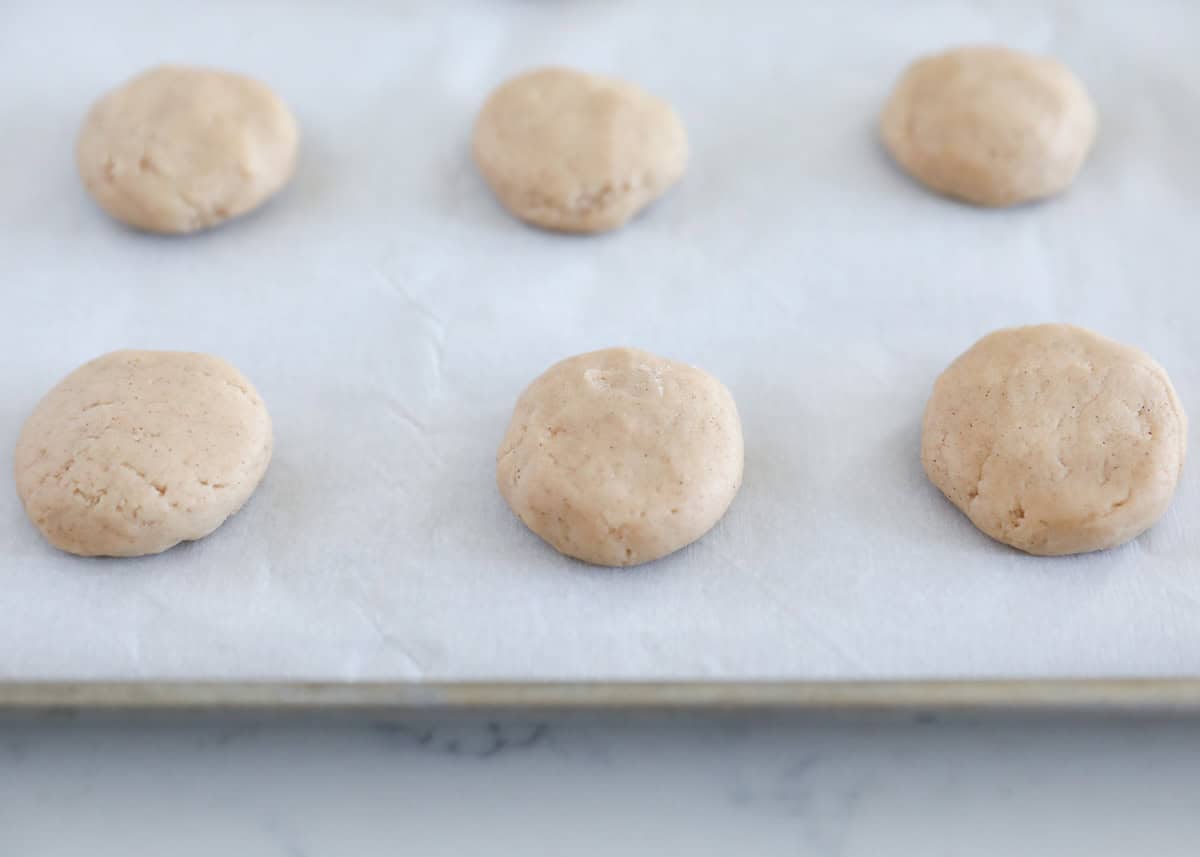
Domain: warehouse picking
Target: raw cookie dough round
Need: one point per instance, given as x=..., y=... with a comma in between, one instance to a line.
x=619, y=457
x=178, y=149
x=1054, y=439
x=576, y=152
x=989, y=125
x=137, y=451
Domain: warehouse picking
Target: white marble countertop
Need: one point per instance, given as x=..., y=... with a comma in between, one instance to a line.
x=735, y=786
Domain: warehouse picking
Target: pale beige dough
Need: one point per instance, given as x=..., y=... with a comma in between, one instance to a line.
x=137, y=451
x=619, y=457
x=1054, y=439
x=177, y=149
x=990, y=125
x=576, y=152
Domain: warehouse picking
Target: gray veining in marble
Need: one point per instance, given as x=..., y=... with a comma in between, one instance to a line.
x=694, y=786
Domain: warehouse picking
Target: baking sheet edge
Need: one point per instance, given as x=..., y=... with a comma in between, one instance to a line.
x=1104, y=695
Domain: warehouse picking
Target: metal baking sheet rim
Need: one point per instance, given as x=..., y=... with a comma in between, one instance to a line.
x=1102, y=695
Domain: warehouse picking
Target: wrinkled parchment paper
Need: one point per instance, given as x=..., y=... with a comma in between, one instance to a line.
x=390, y=312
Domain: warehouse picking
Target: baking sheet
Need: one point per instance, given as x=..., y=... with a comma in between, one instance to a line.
x=390, y=312
x=922, y=700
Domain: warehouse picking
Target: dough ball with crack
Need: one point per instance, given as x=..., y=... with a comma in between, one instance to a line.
x=177, y=149
x=1054, y=439
x=990, y=125
x=137, y=451
x=619, y=457
x=576, y=152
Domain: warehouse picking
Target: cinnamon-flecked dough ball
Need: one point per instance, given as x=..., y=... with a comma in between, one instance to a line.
x=1054, y=439
x=577, y=152
x=178, y=149
x=137, y=451
x=619, y=457
x=989, y=125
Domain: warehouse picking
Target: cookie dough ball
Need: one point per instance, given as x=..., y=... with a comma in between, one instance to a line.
x=990, y=126
x=619, y=457
x=179, y=149
x=137, y=451
x=575, y=152
x=1055, y=440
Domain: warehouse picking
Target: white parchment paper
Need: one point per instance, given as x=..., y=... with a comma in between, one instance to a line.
x=390, y=313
